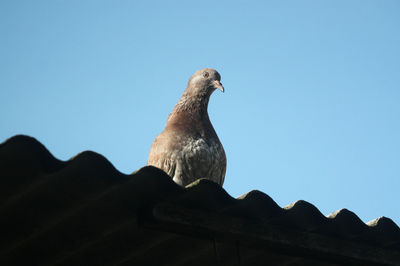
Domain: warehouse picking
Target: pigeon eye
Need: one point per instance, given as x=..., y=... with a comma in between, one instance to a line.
x=206, y=74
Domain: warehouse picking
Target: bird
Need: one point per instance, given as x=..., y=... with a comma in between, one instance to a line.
x=188, y=148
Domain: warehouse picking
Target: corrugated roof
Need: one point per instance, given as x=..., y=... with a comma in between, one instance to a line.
x=84, y=212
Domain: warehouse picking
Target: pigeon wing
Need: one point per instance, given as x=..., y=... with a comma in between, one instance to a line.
x=162, y=156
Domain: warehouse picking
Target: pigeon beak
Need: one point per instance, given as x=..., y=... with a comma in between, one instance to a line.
x=218, y=85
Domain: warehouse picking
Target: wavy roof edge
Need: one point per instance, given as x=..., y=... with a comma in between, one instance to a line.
x=31, y=167
x=29, y=147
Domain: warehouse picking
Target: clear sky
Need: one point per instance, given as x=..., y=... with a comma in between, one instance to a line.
x=311, y=106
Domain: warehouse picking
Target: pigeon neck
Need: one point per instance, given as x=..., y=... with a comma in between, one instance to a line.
x=193, y=105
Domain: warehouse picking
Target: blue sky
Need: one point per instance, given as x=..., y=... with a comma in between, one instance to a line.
x=311, y=104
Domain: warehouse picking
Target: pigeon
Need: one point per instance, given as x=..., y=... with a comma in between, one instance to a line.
x=189, y=149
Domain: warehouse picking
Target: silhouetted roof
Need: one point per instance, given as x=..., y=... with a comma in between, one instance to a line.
x=85, y=212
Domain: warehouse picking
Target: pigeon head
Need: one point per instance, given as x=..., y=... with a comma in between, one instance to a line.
x=205, y=81
x=194, y=100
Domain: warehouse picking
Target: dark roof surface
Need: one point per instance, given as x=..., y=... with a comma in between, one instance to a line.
x=84, y=212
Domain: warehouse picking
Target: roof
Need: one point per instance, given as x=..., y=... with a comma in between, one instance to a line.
x=85, y=212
